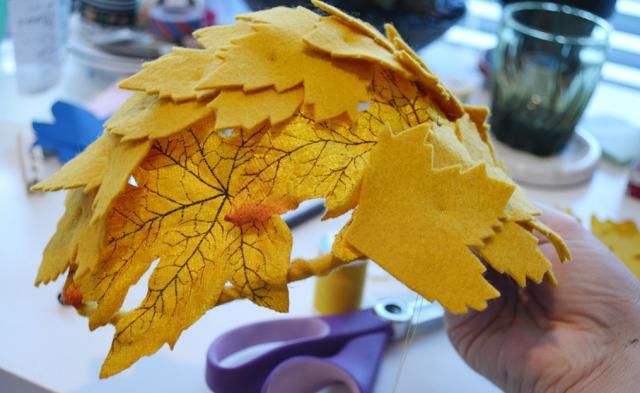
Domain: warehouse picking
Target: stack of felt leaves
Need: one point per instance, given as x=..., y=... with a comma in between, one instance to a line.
x=286, y=105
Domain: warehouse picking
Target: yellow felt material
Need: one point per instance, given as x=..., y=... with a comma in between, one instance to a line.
x=356, y=23
x=431, y=84
x=76, y=241
x=186, y=67
x=479, y=116
x=622, y=238
x=58, y=254
x=85, y=170
x=449, y=150
x=341, y=248
x=564, y=254
x=124, y=158
x=401, y=46
x=515, y=252
x=296, y=19
x=339, y=40
x=216, y=37
x=341, y=290
x=421, y=235
x=472, y=139
x=143, y=116
x=205, y=204
x=276, y=56
x=235, y=108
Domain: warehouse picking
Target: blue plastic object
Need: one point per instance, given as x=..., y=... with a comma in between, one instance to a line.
x=72, y=130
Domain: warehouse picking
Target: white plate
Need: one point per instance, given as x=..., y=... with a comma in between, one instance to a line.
x=574, y=165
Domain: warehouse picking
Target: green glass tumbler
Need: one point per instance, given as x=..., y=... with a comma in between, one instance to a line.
x=544, y=70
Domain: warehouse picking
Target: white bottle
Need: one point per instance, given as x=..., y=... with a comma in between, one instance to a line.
x=37, y=42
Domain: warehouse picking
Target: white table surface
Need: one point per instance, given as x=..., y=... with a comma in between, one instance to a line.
x=50, y=345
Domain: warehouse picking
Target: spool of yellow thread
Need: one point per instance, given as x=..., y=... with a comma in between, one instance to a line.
x=341, y=290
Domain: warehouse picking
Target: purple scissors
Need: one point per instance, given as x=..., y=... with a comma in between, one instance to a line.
x=307, y=354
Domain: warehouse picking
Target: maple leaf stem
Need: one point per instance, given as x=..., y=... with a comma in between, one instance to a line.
x=300, y=269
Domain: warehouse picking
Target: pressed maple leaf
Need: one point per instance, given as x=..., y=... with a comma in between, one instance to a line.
x=195, y=169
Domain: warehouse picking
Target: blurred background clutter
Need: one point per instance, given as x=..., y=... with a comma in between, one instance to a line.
x=562, y=79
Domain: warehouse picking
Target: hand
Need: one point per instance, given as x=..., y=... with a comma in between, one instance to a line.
x=582, y=336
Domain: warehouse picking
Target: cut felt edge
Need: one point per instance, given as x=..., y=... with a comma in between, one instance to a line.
x=175, y=75
x=295, y=19
x=122, y=162
x=235, y=108
x=514, y=251
x=355, y=23
x=358, y=236
x=447, y=101
x=563, y=252
x=331, y=36
x=141, y=117
x=84, y=170
x=217, y=37
x=56, y=261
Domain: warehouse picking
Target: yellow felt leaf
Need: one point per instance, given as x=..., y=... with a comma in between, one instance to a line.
x=186, y=68
x=85, y=170
x=417, y=222
x=400, y=45
x=123, y=159
x=514, y=251
x=205, y=204
x=276, y=56
x=235, y=108
x=449, y=150
x=143, y=116
x=296, y=19
x=564, y=254
x=216, y=37
x=331, y=156
x=339, y=40
x=479, y=116
x=431, y=84
x=473, y=139
x=341, y=248
x=356, y=23
x=622, y=238
x=76, y=239
x=58, y=254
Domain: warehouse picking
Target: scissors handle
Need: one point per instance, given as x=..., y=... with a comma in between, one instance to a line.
x=312, y=337
x=355, y=367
